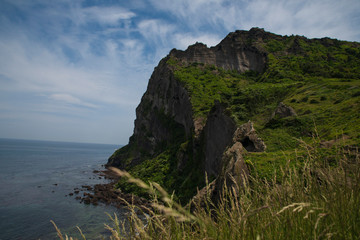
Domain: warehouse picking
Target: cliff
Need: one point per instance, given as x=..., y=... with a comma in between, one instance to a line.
x=208, y=111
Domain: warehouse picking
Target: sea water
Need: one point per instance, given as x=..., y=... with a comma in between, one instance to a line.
x=36, y=178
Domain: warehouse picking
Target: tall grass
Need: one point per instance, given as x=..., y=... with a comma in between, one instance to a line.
x=319, y=199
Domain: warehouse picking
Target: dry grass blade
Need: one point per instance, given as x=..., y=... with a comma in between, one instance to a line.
x=57, y=230
x=171, y=212
x=81, y=233
x=130, y=179
x=297, y=207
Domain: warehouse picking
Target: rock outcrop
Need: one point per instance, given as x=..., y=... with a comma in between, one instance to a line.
x=165, y=115
x=235, y=52
x=165, y=97
x=283, y=111
x=225, y=145
x=218, y=134
x=224, y=138
x=165, y=110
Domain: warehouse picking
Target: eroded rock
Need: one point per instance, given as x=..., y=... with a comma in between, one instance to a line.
x=235, y=52
x=246, y=134
x=224, y=147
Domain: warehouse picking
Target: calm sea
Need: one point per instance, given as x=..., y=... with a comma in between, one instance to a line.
x=36, y=176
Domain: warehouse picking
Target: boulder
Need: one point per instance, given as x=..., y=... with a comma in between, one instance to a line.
x=283, y=111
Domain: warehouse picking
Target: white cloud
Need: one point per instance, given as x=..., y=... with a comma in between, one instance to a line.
x=156, y=31
x=105, y=15
x=320, y=18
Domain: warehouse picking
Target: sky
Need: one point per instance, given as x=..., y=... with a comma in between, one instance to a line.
x=75, y=70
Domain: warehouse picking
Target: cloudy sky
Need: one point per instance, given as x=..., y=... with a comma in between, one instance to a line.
x=75, y=70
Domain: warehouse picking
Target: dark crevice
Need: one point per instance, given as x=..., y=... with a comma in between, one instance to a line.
x=248, y=145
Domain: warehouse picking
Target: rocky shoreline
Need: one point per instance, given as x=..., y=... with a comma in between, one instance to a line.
x=106, y=193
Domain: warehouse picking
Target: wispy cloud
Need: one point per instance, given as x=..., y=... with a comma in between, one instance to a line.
x=321, y=18
x=69, y=99
x=70, y=61
x=105, y=15
x=310, y=18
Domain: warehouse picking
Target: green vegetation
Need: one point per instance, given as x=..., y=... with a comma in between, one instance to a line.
x=317, y=199
x=319, y=79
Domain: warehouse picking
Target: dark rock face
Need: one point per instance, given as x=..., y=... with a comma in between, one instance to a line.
x=166, y=94
x=224, y=145
x=224, y=148
x=218, y=133
x=164, y=108
x=235, y=52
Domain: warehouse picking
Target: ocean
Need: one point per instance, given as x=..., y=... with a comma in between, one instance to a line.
x=36, y=178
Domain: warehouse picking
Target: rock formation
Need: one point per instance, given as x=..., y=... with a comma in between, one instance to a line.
x=166, y=102
x=165, y=112
x=255, y=70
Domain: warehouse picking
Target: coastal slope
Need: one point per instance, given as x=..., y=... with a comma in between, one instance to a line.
x=242, y=107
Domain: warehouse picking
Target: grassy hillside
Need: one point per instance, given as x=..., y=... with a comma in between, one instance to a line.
x=318, y=78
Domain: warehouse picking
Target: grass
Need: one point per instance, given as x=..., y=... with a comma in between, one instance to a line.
x=315, y=198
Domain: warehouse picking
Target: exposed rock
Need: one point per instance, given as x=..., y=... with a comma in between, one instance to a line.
x=218, y=132
x=199, y=124
x=165, y=107
x=224, y=146
x=234, y=164
x=283, y=111
x=206, y=193
x=234, y=172
x=107, y=194
x=235, y=52
x=246, y=134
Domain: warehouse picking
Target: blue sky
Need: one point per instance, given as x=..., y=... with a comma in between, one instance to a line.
x=75, y=70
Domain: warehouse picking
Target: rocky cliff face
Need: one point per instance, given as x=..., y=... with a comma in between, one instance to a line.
x=235, y=52
x=165, y=116
x=165, y=97
x=166, y=102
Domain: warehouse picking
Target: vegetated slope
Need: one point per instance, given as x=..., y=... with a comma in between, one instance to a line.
x=199, y=102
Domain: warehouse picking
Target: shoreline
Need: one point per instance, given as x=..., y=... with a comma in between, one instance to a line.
x=105, y=193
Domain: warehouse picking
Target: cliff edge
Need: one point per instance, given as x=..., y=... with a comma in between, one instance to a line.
x=207, y=111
